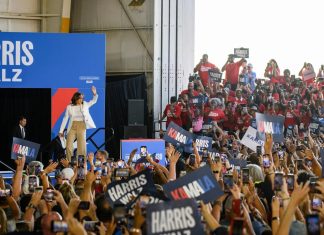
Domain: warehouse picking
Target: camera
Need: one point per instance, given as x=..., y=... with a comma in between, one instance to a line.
x=91, y=226
x=59, y=226
x=49, y=195
x=121, y=172
x=278, y=181
x=194, y=77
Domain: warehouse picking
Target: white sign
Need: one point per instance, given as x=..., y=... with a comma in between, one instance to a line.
x=250, y=140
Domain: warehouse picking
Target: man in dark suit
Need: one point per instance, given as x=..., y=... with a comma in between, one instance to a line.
x=20, y=130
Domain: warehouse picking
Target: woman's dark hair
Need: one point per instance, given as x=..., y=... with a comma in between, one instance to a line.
x=75, y=97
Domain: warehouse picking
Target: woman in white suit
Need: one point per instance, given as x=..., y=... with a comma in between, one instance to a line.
x=80, y=120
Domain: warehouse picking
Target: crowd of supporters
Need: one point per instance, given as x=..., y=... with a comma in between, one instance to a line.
x=280, y=190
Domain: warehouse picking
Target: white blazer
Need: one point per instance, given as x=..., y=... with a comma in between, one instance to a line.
x=85, y=111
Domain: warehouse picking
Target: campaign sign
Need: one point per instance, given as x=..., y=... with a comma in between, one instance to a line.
x=21, y=147
x=123, y=191
x=238, y=162
x=200, y=184
x=175, y=217
x=250, y=139
x=270, y=125
x=215, y=75
x=241, y=52
x=201, y=142
x=309, y=75
x=177, y=135
x=196, y=100
x=156, y=146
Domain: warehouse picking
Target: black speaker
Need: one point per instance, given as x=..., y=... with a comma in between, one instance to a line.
x=134, y=132
x=135, y=112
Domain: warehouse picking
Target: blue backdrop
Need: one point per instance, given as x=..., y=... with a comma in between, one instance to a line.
x=66, y=63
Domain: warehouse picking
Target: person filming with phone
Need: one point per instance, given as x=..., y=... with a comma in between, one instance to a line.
x=77, y=112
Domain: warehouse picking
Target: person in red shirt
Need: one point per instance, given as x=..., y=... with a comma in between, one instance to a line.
x=215, y=112
x=232, y=70
x=202, y=69
x=190, y=91
x=238, y=99
x=272, y=71
x=229, y=123
x=291, y=114
x=172, y=112
x=185, y=111
x=308, y=74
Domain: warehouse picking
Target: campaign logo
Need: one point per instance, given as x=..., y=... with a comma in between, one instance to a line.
x=21, y=147
x=200, y=184
x=123, y=191
x=270, y=125
x=175, y=217
x=14, y=55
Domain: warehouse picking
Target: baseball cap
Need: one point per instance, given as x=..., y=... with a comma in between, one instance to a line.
x=67, y=173
x=250, y=65
x=255, y=108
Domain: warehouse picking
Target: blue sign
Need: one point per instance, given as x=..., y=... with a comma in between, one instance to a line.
x=180, y=137
x=200, y=184
x=21, y=147
x=52, y=60
x=175, y=217
x=66, y=63
x=125, y=190
x=154, y=146
x=271, y=125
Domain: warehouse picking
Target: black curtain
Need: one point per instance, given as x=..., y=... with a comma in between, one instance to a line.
x=118, y=90
x=35, y=104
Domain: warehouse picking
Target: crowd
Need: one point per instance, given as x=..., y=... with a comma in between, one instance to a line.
x=280, y=190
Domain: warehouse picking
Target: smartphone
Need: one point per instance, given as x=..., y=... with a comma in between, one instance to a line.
x=143, y=201
x=121, y=172
x=119, y=212
x=143, y=151
x=32, y=183
x=192, y=159
x=316, y=203
x=81, y=174
x=80, y=160
x=237, y=226
x=246, y=175
x=259, y=150
x=299, y=163
x=278, y=181
x=49, y=195
x=308, y=162
x=228, y=182
x=39, y=189
x=313, y=224
x=281, y=155
x=104, y=170
x=237, y=207
x=5, y=192
x=182, y=173
x=120, y=164
x=204, y=152
x=73, y=161
x=59, y=226
x=266, y=161
x=312, y=184
x=306, y=140
x=217, y=159
x=238, y=170
x=291, y=182
x=84, y=205
x=91, y=226
x=97, y=163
